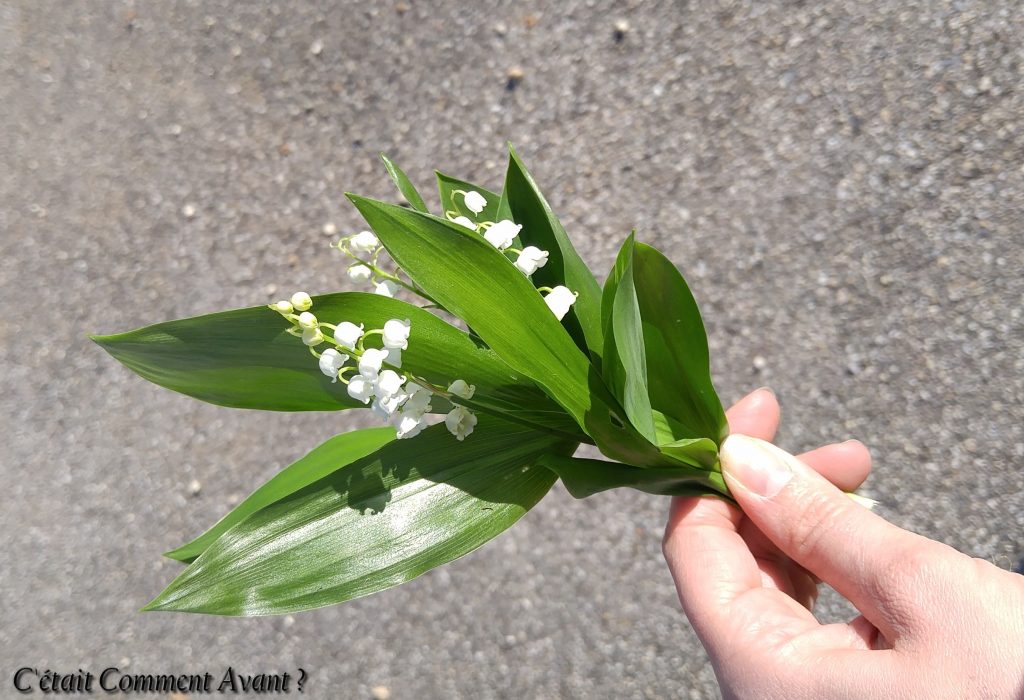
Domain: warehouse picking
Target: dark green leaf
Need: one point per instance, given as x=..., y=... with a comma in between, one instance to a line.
x=246, y=359
x=480, y=285
x=541, y=228
x=453, y=203
x=327, y=458
x=585, y=477
x=372, y=524
x=405, y=185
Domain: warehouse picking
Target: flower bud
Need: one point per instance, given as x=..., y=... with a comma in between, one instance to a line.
x=475, y=201
x=312, y=336
x=302, y=301
x=396, y=334
x=360, y=273
x=364, y=242
x=464, y=221
x=307, y=321
x=347, y=334
x=501, y=234
x=531, y=259
x=283, y=307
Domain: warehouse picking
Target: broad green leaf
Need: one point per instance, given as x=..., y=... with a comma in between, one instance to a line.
x=676, y=348
x=625, y=363
x=695, y=452
x=371, y=524
x=585, y=477
x=323, y=460
x=404, y=184
x=480, y=285
x=246, y=359
x=541, y=228
x=454, y=203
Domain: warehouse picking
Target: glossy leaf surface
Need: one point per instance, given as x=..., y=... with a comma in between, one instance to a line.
x=371, y=524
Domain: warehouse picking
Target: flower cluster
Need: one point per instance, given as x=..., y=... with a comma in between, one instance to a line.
x=364, y=249
x=502, y=234
x=401, y=400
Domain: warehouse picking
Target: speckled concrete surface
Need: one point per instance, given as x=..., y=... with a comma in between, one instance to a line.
x=842, y=184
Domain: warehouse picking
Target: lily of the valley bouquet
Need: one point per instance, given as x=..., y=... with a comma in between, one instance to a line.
x=489, y=352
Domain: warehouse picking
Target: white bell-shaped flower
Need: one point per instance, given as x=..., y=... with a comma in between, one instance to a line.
x=407, y=425
x=389, y=383
x=312, y=337
x=560, y=300
x=370, y=362
x=331, y=362
x=475, y=201
x=385, y=406
x=460, y=422
x=531, y=259
x=307, y=321
x=394, y=357
x=464, y=221
x=302, y=301
x=364, y=242
x=396, y=334
x=461, y=389
x=386, y=288
x=360, y=273
x=347, y=334
x=360, y=388
x=283, y=307
x=501, y=234
x=418, y=403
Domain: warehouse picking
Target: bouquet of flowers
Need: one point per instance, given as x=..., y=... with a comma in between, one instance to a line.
x=491, y=353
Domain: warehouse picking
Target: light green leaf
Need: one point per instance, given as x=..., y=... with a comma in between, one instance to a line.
x=676, y=348
x=625, y=362
x=585, y=477
x=323, y=460
x=246, y=359
x=404, y=184
x=480, y=285
x=542, y=229
x=372, y=524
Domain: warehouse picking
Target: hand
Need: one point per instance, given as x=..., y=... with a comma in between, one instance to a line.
x=935, y=622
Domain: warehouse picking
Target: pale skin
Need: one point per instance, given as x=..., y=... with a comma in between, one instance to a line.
x=934, y=622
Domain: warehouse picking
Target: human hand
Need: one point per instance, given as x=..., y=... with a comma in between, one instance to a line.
x=934, y=623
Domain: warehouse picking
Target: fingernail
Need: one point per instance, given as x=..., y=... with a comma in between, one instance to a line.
x=755, y=465
x=766, y=388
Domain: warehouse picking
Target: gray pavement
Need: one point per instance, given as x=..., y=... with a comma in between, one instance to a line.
x=841, y=183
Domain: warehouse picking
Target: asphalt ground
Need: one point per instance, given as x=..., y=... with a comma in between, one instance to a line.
x=841, y=183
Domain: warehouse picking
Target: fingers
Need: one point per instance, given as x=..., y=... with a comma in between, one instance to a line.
x=709, y=560
x=845, y=464
x=819, y=527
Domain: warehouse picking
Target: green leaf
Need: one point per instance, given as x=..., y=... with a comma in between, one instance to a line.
x=585, y=477
x=477, y=283
x=405, y=185
x=447, y=186
x=246, y=359
x=372, y=524
x=541, y=228
x=676, y=348
x=322, y=461
x=625, y=363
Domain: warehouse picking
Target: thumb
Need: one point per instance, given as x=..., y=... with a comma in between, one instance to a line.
x=819, y=527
